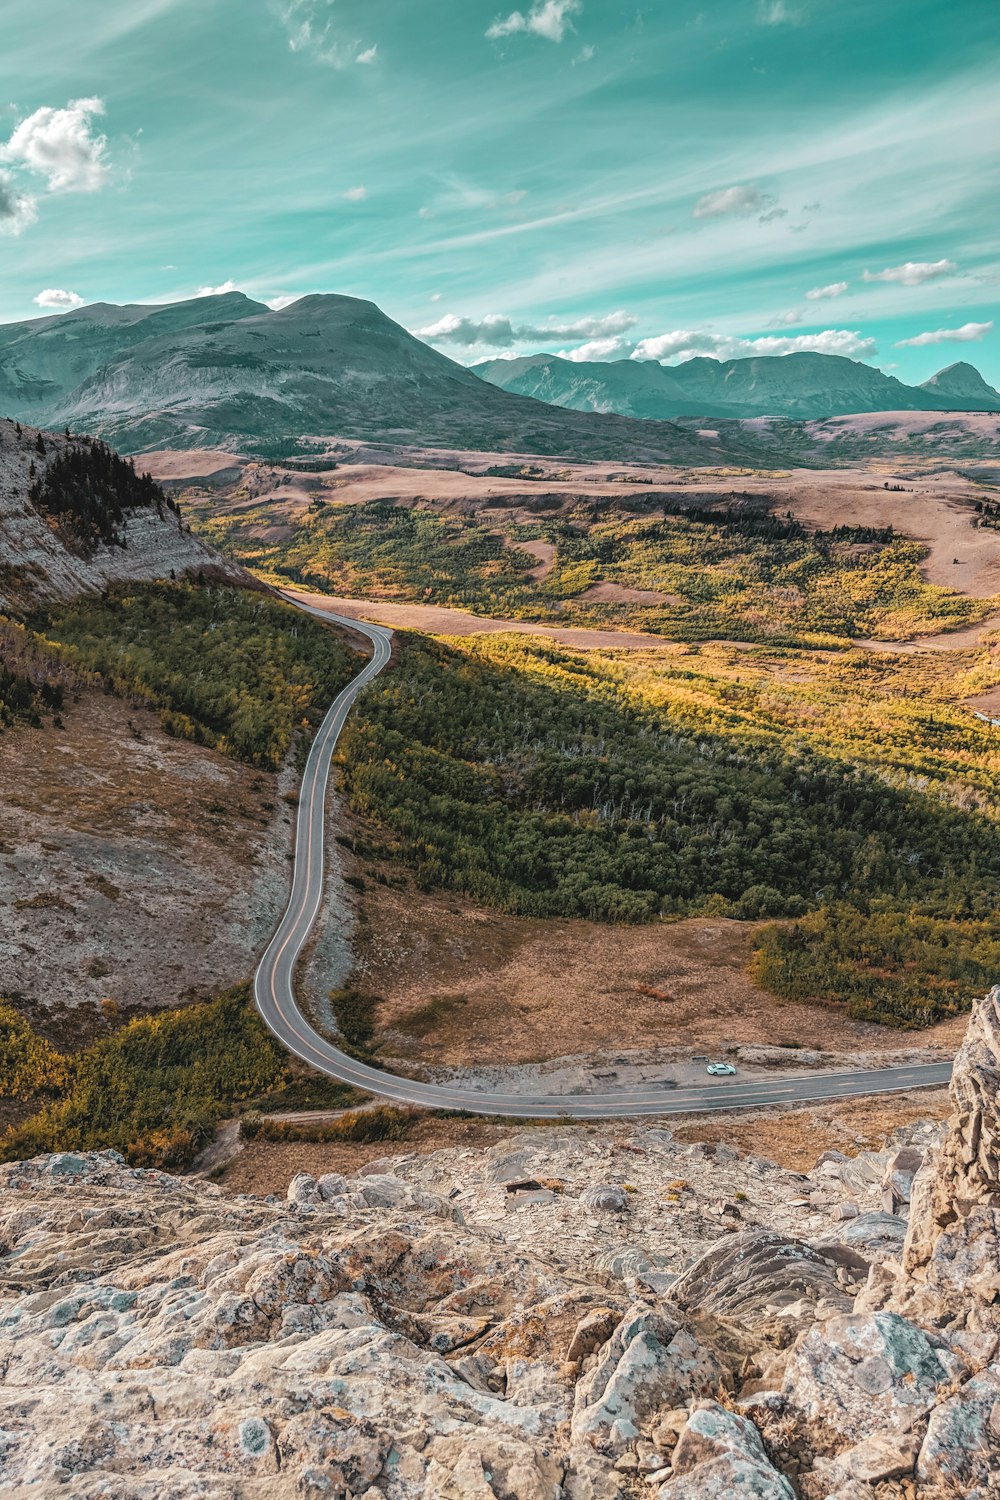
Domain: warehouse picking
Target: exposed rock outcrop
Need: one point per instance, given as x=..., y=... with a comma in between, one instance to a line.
x=39, y=565
x=400, y=1334
x=951, y=1258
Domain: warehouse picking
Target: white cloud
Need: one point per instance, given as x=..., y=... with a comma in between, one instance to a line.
x=60, y=145
x=283, y=299
x=498, y=332
x=17, y=209
x=310, y=29
x=58, y=301
x=741, y=201
x=217, y=291
x=599, y=349
x=787, y=319
x=546, y=18
x=969, y=333
x=913, y=272
x=683, y=344
x=820, y=293
x=356, y=194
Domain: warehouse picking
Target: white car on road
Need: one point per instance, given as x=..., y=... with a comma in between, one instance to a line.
x=721, y=1070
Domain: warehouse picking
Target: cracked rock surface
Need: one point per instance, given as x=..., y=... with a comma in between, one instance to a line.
x=661, y=1320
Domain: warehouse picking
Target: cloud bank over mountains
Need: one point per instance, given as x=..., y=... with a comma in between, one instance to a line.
x=609, y=338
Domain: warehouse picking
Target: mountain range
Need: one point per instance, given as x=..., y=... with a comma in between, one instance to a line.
x=803, y=385
x=225, y=370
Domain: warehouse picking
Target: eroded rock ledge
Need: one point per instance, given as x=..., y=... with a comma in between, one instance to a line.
x=592, y=1316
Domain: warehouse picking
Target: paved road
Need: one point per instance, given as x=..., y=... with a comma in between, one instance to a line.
x=274, y=988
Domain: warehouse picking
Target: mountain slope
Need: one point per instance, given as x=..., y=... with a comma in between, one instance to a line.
x=803, y=385
x=45, y=556
x=963, y=382
x=226, y=369
x=43, y=360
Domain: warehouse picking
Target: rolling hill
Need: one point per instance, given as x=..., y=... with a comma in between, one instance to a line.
x=226, y=370
x=804, y=386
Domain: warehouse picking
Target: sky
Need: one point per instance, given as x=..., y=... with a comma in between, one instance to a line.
x=605, y=180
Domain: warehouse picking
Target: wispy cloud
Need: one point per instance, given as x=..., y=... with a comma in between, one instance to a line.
x=310, y=28
x=777, y=13
x=550, y=19
x=217, y=291
x=821, y=293
x=969, y=333
x=741, y=202
x=55, y=300
x=498, y=332
x=685, y=343
x=62, y=146
x=356, y=194
x=913, y=272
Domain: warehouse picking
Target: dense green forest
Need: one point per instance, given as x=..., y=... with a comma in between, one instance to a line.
x=732, y=571
x=228, y=667
x=87, y=489
x=900, y=968
x=550, y=783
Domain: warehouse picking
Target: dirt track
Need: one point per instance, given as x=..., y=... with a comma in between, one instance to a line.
x=432, y=619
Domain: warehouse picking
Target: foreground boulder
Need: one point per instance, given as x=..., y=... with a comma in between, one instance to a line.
x=651, y=1361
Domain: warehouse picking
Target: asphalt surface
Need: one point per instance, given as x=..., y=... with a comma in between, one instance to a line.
x=274, y=987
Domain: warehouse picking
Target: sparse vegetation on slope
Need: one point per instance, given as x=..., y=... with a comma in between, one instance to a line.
x=734, y=571
x=32, y=681
x=153, y=1091
x=231, y=668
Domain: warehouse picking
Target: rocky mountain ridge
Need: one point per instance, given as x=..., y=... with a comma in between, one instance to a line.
x=40, y=561
x=224, y=370
x=799, y=386
x=594, y=1314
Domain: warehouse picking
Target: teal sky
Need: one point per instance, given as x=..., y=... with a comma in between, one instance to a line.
x=660, y=176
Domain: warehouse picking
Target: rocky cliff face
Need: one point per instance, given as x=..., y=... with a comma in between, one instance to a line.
x=951, y=1259
x=39, y=564
x=590, y=1316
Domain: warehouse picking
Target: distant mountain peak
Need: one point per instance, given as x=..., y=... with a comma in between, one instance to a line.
x=961, y=379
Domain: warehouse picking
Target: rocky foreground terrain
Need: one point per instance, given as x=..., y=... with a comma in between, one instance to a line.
x=590, y=1316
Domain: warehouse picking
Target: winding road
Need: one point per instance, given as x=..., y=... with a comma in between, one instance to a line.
x=274, y=985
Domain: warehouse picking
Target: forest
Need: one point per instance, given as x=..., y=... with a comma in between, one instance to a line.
x=88, y=488
x=548, y=783
x=227, y=667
